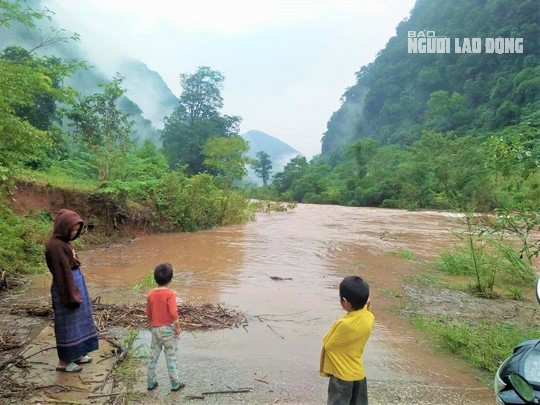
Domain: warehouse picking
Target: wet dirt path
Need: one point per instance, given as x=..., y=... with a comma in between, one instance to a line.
x=278, y=353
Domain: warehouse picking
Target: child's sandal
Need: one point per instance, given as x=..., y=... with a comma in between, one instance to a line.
x=175, y=386
x=151, y=386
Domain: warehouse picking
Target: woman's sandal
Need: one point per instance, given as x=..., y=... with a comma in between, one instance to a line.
x=83, y=359
x=70, y=368
x=151, y=386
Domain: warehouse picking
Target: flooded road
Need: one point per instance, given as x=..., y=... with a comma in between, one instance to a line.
x=278, y=353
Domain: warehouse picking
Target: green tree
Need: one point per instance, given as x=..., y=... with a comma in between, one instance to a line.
x=19, y=84
x=226, y=157
x=263, y=166
x=100, y=126
x=14, y=11
x=201, y=93
x=445, y=112
x=196, y=119
x=291, y=172
x=19, y=140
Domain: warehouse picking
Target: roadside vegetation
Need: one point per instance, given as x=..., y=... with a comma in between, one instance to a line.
x=484, y=344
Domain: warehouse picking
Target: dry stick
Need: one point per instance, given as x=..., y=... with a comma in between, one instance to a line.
x=105, y=358
x=227, y=392
x=41, y=351
x=295, y=313
x=112, y=394
x=7, y=363
x=275, y=331
x=262, y=381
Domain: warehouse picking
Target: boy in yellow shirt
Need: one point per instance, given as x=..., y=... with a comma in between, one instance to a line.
x=343, y=345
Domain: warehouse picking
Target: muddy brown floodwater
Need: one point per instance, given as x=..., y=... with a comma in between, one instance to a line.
x=278, y=353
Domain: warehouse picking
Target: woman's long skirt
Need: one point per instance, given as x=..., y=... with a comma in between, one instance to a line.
x=74, y=328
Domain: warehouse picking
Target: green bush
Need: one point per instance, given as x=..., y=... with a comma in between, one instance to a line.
x=193, y=203
x=22, y=241
x=390, y=203
x=494, y=261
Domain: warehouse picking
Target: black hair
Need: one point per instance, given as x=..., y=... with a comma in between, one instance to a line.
x=355, y=290
x=163, y=273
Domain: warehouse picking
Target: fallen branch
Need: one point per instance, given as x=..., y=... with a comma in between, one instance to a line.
x=112, y=394
x=275, y=331
x=240, y=391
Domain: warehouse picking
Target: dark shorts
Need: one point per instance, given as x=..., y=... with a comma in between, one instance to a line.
x=347, y=392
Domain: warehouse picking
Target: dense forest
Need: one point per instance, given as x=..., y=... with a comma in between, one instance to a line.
x=444, y=130
x=54, y=136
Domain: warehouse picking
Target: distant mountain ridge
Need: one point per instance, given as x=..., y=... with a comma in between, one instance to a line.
x=280, y=152
x=261, y=141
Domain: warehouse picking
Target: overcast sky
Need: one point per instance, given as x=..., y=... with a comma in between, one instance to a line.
x=286, y=62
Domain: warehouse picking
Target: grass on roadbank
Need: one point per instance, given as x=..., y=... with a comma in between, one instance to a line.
x=481, y=331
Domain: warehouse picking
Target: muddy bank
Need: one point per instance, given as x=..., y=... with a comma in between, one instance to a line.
x=433, y=302
x=103, y=213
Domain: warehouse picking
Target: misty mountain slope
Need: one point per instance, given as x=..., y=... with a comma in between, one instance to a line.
x=280, y=152
x=401, y=94
x=277, y=149
x=141, y=84
x=148, y=90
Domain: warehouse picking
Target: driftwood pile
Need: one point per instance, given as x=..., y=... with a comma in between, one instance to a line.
x=192, y=315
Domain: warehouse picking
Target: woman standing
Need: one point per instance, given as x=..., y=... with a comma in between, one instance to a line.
x=74, y=327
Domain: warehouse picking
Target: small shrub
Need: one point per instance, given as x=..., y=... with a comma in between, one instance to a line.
x=390, y=203
x=404, y=253
x=147, y=283
x=517, y=293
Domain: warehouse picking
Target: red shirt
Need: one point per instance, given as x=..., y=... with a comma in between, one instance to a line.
x=161, y=307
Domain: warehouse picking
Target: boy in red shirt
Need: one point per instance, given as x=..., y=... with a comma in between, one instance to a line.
x=162, y=313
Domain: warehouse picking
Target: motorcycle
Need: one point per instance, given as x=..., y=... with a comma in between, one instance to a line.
x=517, y=380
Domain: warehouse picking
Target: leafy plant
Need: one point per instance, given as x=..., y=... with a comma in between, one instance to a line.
x=147, y=283
x=404, y=253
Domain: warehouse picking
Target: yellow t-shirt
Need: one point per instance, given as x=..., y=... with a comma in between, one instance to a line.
x=343, y=345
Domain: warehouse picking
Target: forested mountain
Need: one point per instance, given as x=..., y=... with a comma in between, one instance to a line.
x=400, y=93
x=436, y=130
